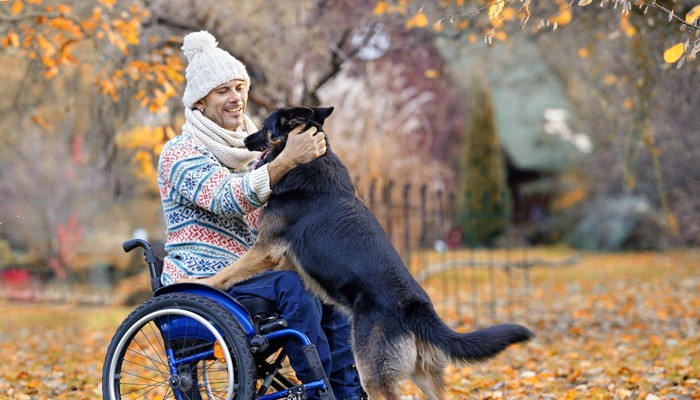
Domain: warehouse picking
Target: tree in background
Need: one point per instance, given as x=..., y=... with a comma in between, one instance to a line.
x=481, y=191
x=75, y=75
x=110, y=73
x=627, y=66
x=117, y=69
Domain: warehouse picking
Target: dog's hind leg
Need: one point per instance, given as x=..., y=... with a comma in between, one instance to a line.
x=431, y=383
x=379, y=388
x=429, y=370
x=383, y=360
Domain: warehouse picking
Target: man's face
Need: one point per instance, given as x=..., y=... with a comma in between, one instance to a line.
x=225, y=104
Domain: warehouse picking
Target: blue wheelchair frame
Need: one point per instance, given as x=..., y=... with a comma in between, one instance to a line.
x=173, y=329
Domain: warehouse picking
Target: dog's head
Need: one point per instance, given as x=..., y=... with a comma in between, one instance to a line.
x=272, y=138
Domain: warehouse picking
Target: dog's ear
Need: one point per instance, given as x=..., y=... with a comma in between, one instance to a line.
x=293, y=117
x=321, y=113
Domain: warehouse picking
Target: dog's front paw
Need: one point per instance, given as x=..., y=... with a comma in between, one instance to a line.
x=211, y=281
x=206, y=281
x=190, y=280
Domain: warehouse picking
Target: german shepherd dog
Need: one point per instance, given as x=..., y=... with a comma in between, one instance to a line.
x=316, y=221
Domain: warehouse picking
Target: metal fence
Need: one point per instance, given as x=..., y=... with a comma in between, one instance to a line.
x=469, y=282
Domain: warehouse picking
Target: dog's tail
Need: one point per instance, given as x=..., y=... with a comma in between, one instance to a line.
x=476, y=346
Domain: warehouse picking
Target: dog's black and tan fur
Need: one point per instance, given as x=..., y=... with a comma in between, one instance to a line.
x=315, y=219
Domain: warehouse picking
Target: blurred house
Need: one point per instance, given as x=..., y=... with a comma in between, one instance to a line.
x=537, y=125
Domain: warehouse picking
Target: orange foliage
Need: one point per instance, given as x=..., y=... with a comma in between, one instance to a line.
x=52, y=33
x=147, y=141
x=560, y=14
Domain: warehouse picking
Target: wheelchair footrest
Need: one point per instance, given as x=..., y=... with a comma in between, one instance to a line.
x=314, y=362
x=317, y=371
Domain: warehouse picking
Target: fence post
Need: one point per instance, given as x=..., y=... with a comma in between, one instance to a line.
x=371, y=195
x=423, y=217
x=388, y=207
x=406, y=222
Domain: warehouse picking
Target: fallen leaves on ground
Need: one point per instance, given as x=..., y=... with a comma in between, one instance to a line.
x=54, y=352
x=623, y=326
x=627, y=328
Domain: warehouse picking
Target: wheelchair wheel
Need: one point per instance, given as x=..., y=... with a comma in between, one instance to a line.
x=182, y=346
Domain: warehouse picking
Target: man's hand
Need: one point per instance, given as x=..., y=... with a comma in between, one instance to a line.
x=302, y=147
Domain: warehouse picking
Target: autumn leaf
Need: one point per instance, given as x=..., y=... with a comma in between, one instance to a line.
x=432, y=73
x=692, y=16
x=109, y=4
x=626, y=27
x=12, y=39
x=48, y=47
x=563, y=18
x=674, y=53
x=41, y=122
x=609, y=79
x=169, y=132
x=17, y=7
x=583, y=3
x=420, y=20
x=109, y=88
x=380, y=8
x=51, y=72
x=524, y=13
x=63, y=9
x=495, y=10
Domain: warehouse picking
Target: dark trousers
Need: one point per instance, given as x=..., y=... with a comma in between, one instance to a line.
x=325, y=327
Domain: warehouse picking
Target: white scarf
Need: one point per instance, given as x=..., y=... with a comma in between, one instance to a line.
x=226, y=145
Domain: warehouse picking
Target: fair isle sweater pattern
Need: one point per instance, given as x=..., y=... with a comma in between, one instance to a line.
x=211, y=213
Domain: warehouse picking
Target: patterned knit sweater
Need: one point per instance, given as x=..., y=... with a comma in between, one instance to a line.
x=211, y=213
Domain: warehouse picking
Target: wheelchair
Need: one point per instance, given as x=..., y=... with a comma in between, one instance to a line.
x=194, y=342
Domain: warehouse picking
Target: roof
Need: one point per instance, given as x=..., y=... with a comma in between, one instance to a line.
x=533, y=115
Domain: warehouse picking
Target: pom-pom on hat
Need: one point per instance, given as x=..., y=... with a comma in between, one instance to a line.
x=208, y=67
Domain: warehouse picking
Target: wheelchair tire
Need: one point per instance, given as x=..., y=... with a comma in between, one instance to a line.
x=137, y=361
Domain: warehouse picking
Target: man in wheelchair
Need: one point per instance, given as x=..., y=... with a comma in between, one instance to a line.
x=212, y=195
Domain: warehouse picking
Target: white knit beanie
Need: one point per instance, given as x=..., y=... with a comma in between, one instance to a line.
x=208, y=67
